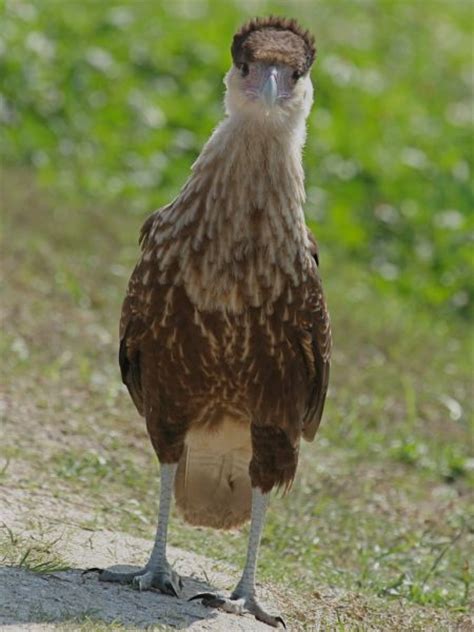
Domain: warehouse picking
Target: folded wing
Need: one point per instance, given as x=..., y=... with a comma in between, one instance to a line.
x=317, y=324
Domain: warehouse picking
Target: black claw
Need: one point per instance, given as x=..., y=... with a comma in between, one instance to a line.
x=170, y=589
x=180, y=581
x=215, y=602
x=92, y=570
x=202, y=596
x=209, y=600
x=277, y=620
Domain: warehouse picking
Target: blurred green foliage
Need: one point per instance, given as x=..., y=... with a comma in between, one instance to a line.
x=113, y=100
x=108, y=104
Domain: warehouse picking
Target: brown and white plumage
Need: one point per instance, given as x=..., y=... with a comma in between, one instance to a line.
x=225, y=335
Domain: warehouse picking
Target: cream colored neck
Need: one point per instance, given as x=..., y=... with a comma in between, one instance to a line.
x=245, y=199
x=253, y=160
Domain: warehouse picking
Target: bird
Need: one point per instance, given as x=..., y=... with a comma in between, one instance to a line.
x=225, y=336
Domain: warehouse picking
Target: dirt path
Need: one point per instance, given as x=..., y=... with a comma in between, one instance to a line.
x=33, y=600
x=49, y=535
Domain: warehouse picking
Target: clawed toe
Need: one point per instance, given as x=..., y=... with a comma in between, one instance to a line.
x=210, y=600
x=143, y=582
x=166, y=581
x=117, y=577
x=239, y=605
x=269, y=619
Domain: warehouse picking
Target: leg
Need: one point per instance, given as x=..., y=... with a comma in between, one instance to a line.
x=243, y=598
x=157, y=572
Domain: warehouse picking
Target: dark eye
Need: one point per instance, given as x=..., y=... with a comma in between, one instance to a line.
x=244, y=69
x=296, y=75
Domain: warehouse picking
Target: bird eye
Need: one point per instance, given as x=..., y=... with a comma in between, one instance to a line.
x=296, y=75
x=244, y=69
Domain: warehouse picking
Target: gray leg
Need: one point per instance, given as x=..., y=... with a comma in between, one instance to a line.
x=246, y=585
x=157, y=573
x=243, y=599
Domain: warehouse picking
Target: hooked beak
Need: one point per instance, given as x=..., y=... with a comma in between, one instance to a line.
x=269, y=90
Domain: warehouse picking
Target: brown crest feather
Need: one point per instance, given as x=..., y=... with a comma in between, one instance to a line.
x=274, y=39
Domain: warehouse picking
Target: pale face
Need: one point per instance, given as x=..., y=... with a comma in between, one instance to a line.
x=265, y=90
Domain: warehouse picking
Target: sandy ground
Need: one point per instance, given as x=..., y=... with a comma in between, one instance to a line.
x=73, y=600
x=66, y=529
x=67, y=599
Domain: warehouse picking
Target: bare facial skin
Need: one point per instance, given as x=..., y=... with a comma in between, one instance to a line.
x=273, y=90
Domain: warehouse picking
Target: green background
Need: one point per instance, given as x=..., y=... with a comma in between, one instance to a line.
x=113, y=101
x=104, y=106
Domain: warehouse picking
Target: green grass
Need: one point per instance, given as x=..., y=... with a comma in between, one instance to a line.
x=381, y=505
x=87, y=622
x=134, y=88
x=37, y=556
x=104, y=110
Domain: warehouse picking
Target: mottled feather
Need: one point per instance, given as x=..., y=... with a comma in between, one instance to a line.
x=225, y=336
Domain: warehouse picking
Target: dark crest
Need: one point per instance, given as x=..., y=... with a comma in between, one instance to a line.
x=274, y=39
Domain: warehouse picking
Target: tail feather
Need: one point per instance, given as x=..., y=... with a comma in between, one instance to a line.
x=212, y=482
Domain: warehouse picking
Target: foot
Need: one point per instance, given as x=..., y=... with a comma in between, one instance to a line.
x=165, y=579
x=240, y=604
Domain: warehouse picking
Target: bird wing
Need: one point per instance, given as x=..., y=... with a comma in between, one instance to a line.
x=133, y=324
x=318, y=348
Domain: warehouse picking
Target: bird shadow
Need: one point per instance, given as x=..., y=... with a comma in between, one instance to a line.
x=76, y=595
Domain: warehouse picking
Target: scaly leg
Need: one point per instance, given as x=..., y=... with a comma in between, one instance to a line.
x=157, y=573
x=243, y=598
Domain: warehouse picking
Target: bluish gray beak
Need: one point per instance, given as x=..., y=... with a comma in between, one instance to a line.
x=270, y=89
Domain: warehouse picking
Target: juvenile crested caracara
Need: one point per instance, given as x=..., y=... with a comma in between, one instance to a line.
x=225, y=336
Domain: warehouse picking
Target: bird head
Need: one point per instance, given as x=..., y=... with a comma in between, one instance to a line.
x=269, y=78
